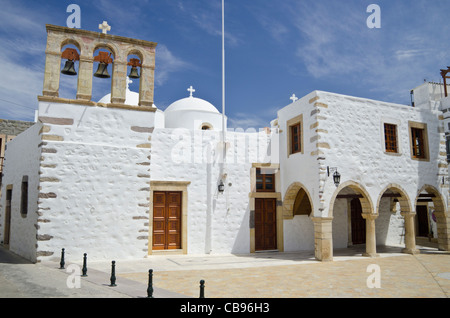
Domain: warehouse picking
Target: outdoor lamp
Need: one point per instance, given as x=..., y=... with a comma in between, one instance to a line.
x=221, y=186
x=336, y=176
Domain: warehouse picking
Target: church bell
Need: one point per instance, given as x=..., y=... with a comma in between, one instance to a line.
x=134, y=72
x=134, y=63
x=102, y=71
x=69, y=68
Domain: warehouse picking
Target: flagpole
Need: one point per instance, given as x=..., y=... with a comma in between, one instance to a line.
x=223, y=77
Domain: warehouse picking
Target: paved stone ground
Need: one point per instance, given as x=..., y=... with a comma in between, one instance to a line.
x=267, y=275
x=406, y=276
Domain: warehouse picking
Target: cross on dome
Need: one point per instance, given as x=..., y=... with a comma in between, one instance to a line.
x=294, y=98
x=104, y=27
x=191, y=90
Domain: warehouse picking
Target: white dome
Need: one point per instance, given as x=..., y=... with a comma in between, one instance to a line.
x=131, y=98
x=192, y=104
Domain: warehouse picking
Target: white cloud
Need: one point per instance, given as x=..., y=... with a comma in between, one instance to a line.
x=166, y=64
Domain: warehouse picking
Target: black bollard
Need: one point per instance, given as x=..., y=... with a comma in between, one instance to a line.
x=113, y=274
x=62, y=263
x=150, y=284
x=84, y=269
x=202, y=289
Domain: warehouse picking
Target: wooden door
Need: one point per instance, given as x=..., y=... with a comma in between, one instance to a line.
x=358, y=223
x=422, y=220
x=7, y=232
x=265, y=224
x=166, y=220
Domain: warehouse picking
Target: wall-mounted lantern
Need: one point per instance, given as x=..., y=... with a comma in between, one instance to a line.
x=336, y=176
x=221, y=186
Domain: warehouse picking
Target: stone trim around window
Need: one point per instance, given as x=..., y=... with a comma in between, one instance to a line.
x=426, y=150
x=292, y=122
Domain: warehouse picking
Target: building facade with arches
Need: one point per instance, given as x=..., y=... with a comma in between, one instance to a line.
x=391, y=160
x=119, y=178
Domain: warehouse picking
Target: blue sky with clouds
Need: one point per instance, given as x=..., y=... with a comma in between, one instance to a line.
x=273, y=50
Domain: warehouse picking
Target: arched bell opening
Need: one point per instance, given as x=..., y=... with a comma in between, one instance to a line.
x=103, y=72
x=68, y=80
x=134, y=70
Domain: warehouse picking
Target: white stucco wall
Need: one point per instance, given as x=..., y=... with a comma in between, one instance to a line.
x=356, y=139
x=217, y=222
x=298, y=234
x=193, y=119
x=299, y=167
x=22, y=159
x=98, y=167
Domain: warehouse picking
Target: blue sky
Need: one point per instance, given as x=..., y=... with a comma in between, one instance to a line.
x=273, y=49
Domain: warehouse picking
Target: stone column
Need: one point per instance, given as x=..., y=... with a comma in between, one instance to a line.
x=146, y=85
x=323, y=238
x=52, y=73
x=119, y=84
x=371, y=242
x=410, y=236
x=85, y=73
x=443, y=231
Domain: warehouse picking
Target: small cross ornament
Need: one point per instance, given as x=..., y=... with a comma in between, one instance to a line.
x=104, y=27
x=294, y=98
x=191, y=90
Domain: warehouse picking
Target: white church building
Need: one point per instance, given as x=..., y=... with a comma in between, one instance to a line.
x=121, y=179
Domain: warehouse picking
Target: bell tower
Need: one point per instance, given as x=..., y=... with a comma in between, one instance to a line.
x=86, y=43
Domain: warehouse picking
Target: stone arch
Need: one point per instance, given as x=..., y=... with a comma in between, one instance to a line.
x=290, y=198
x=437, y=198
x=407, y=212
x=403, y=198
x=441, y=214
x=107, y=46
x=69, y=41
x=136, y=52
x=366, y=202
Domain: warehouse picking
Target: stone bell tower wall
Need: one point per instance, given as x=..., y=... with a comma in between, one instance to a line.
x=87, y=42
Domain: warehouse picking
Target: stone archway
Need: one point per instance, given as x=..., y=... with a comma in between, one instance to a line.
x=396, y=194
x=440, y=213
x=297, y=198
x=352, y=190
x=298, y=211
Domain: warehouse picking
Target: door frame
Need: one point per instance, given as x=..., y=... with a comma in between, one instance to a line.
x=276, y=195
x=169, y=186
